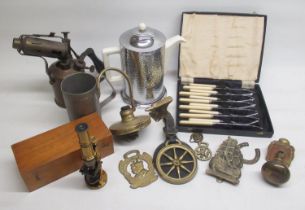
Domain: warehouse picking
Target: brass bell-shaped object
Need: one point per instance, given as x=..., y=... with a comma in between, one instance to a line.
x=279, y=157
x=130, y=124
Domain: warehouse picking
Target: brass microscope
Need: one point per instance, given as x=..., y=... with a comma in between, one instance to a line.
x=95, y=176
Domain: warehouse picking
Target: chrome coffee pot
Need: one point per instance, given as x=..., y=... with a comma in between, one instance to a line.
x=142, y=51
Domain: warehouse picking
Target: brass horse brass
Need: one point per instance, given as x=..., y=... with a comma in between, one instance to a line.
x=202, y=151
x=139, y=176
x=228, y=161
x=174, y=160
x=176, y=163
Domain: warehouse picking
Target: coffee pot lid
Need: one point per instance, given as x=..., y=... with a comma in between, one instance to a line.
x=142, y=38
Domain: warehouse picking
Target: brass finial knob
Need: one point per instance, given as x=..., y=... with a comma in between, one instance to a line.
x=279, y=157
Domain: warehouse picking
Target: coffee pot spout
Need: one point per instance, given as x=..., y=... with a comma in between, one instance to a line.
x=173, y=40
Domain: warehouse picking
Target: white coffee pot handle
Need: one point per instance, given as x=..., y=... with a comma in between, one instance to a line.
x=106, y=52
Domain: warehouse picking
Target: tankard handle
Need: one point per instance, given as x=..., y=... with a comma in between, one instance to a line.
x=123, y=74
x=112, y=95
x=106, y=54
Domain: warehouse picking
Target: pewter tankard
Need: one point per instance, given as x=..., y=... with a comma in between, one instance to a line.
x=142, y=50
x=81, y=94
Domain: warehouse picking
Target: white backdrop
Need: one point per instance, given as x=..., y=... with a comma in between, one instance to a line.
x=27, y=106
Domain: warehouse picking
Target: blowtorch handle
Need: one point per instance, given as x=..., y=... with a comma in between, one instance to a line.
x=106, y=54
x=99, y=65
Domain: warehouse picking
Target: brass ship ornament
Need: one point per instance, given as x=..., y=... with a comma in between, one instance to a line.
x=174, y=160
x=139, y=176
x=227, y=163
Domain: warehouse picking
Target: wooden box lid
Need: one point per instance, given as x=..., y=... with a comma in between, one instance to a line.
x=223, y=46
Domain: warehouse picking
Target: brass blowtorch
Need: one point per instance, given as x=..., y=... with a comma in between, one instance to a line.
x=95, y=176
x=69, y=62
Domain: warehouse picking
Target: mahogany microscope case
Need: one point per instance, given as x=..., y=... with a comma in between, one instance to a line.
x=223, y=49
x=51, y=155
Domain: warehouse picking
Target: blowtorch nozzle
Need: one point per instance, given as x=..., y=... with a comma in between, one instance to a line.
x=34, y=46
x=16, y=43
